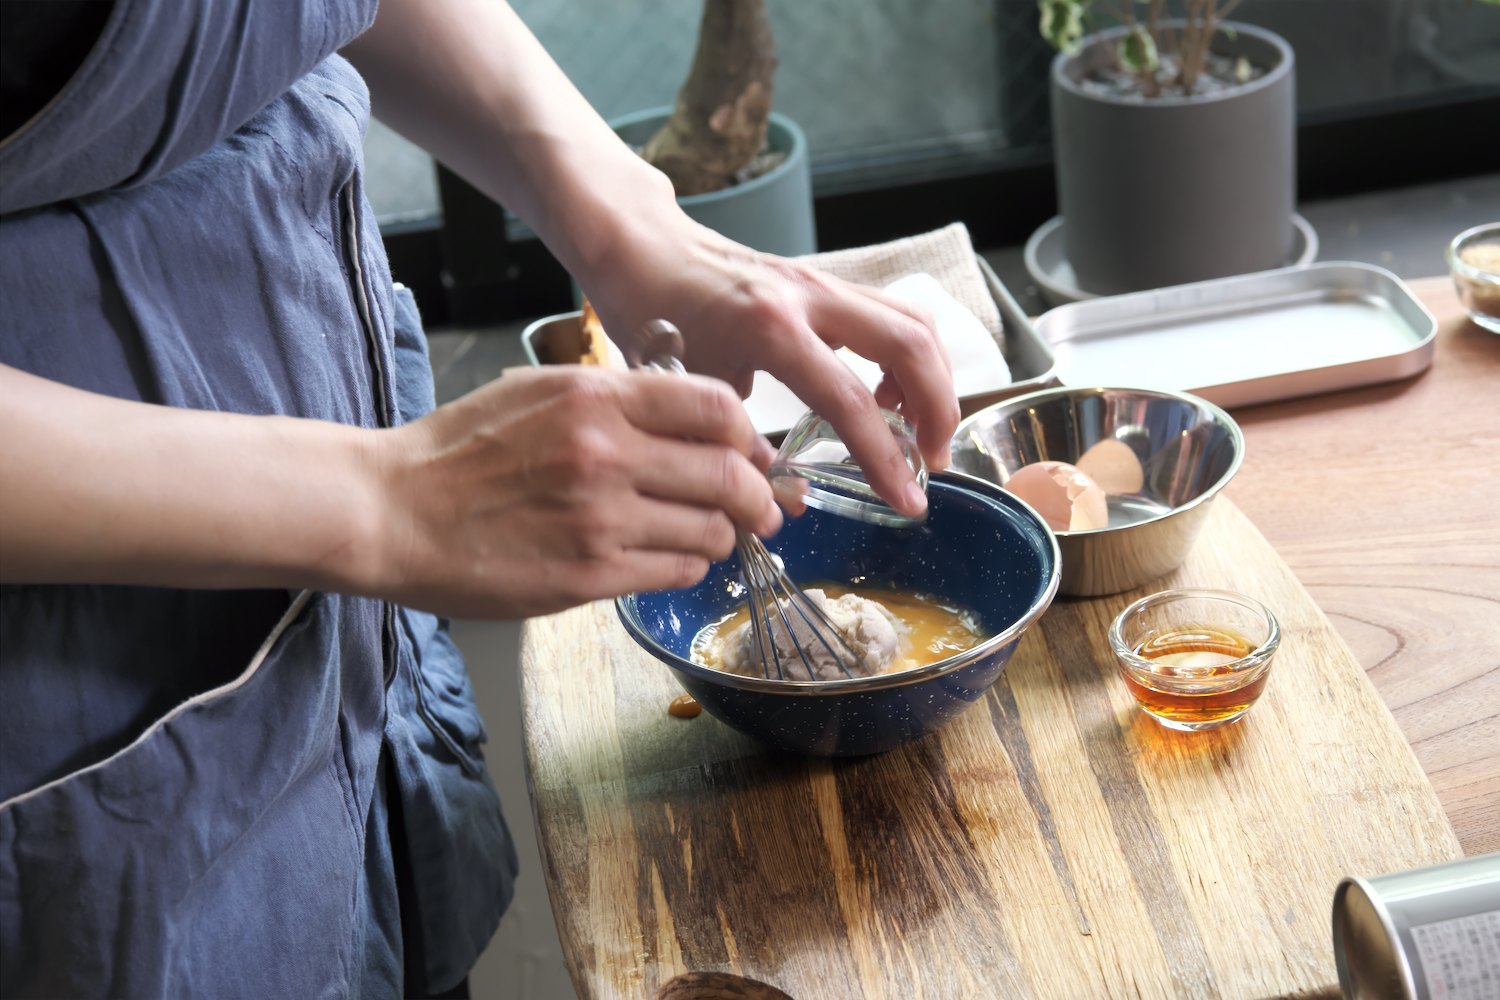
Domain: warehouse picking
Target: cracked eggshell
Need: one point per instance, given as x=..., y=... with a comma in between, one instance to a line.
x=1067, y=499
x=1113, y=466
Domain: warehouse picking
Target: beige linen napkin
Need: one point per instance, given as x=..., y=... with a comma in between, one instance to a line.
x=946, y=254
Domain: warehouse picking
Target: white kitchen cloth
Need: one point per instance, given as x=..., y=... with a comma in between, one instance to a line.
x=946, y=254
x=978, y=365
x=937, y=270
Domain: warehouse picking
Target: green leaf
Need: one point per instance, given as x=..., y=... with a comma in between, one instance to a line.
x=1138, y=52
x=1062, y=23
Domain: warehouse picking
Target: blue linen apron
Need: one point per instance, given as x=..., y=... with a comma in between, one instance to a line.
x=196, y=784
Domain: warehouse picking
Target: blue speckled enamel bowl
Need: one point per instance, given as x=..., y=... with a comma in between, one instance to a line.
x=980, y=547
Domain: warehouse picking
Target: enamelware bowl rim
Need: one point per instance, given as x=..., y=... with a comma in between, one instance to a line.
x=1221, y=416
x=878, y=682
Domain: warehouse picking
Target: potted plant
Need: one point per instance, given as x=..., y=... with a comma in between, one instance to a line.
x=1174, y=145
x=738, y=167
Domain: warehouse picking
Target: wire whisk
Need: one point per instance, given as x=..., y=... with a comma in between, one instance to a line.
x=786, y=626
x=788, y=629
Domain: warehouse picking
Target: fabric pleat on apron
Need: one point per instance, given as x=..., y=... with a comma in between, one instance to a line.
x=196, y=784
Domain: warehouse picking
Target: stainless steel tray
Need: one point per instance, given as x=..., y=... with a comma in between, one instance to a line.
x=558, y=340
x=1249, y=339
x=554, y=340
x=1033, y=365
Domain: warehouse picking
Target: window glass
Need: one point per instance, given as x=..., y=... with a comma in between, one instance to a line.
x=896, y=91
x=881, y=87
x=1363, y=56
x=400, y=181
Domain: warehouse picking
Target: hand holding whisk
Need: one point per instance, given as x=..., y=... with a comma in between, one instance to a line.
x=792, y=636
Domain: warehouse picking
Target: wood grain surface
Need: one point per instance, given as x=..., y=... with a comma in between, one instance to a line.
x=1385, y=502
x=1050, y=842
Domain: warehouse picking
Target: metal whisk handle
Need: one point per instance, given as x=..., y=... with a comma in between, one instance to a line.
x=657, y=346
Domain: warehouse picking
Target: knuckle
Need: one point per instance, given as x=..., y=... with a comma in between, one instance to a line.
x=688, y=570
x=768, y=308
x=731, y=475
x=586, y=451
x=585, y=528
x=595, y=529
x=895, y=463
x=924, y=323
x=742, y=489
x=913, y=339
x=717, y=539
x=851, y=396
x=586, y=392
x=717, y=406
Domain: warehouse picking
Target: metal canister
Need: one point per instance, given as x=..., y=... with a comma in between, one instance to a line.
x=1426, y=934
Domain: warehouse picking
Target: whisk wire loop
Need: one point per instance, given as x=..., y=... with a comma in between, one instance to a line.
x=760, y=625
x=770, y=587
x=658, y=346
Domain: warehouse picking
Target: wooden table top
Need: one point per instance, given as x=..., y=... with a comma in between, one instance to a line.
x=1385, y=502
x=1051, y=842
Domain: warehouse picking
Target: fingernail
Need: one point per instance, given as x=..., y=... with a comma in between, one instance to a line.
x=915, y=498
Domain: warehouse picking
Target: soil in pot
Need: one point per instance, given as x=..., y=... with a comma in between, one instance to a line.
x=764, y=161
x=1220, y=74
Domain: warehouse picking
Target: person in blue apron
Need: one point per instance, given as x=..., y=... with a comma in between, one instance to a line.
x=239, y=754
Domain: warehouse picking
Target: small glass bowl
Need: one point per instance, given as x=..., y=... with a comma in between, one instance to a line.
x=814, y=468
x=1478, y=286
x=1195, y=659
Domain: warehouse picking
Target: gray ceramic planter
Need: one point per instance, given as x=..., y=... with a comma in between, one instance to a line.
x=773, y=213
x=1165, y=191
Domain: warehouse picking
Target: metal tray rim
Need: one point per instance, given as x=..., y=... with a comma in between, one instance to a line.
x=1134, y=304
x=1124, y=315
x=535, y=327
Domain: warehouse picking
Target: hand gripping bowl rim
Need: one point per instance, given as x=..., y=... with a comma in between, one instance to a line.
x=876, y=682
x=1221, y=416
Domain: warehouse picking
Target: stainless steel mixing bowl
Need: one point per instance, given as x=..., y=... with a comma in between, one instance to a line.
x=1188, y=449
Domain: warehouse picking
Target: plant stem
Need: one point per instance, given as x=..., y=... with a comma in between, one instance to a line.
x=1127, y=17
x=1205, y=40
x=719, y=121
x=1123, y=16
x=1193, y=42
x=1153, y=20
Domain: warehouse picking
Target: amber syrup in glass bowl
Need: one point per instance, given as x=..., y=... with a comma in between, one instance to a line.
x=1195, y=659
x=1193, y=664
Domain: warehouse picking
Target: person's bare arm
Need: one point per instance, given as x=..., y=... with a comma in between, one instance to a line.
x=537, y=492
x=470, y=83
x=101, y=490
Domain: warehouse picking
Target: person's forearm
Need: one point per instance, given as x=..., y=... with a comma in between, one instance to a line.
x=466, y=80
x=102, y=490
x=538, y=491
